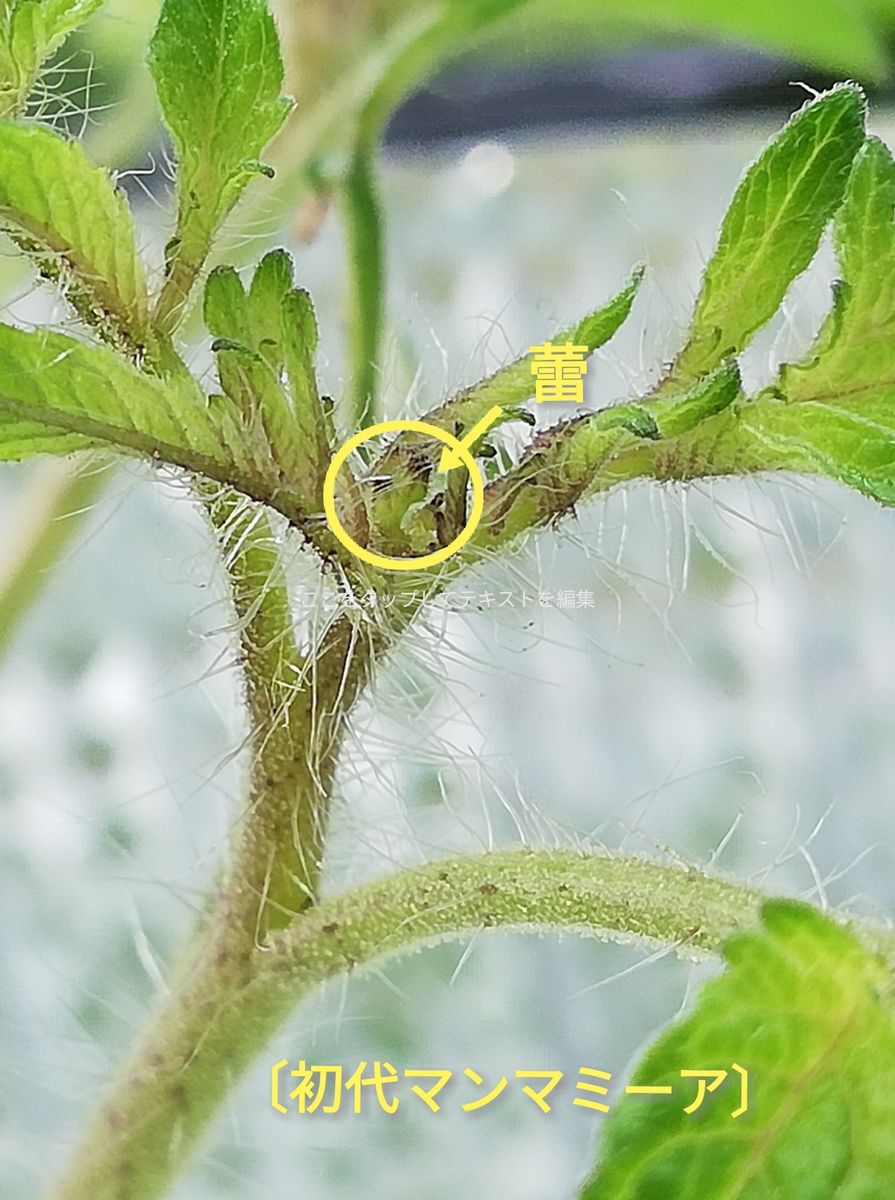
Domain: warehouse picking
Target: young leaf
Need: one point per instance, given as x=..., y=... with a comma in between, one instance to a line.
x=854, y=365
x=219, y=75
x=66, y=213
x=807, y=1011
x=272, y=282
x=225, y=306
x=262, y=334
x=773, y=228
x=47, y=23
x=679, y=414
x=249, y=382
x=254, y=317
x=299, y=339
x=834, y=413
x=513, y=385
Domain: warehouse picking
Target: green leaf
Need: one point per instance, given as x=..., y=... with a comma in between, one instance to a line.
x=52, y=20
x=513, y=385
x=262, y=335
x=63, y=383
x=66, y=213
x=773, y=228
x=53, y=387
x=807, y=1011
x=510, y=388
x=854, y=363
x=834, y=413
x=219, y=75
x=21, y=439
x=272, y=282
x=225, y=306
x=841, y=35
x=30, y=32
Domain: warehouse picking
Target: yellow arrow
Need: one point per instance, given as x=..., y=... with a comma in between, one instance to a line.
x=451, y=458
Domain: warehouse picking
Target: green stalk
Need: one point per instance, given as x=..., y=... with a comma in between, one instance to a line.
x=57, y=495
x=366, y=280
x=273, y=871
x=234, y=999
x=431, y=37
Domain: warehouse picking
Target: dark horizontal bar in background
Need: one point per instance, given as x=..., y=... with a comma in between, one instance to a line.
x=637, y=86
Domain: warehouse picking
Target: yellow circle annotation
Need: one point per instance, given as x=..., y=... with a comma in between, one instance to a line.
x=383, y=561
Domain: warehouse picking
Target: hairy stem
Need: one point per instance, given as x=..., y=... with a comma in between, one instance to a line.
x=216, y=1020
x=602, y=895
x=280, y=842
x=231, y=1003
x=298, y=706
x=268, y=875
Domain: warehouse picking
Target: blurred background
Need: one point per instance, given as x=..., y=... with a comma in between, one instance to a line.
x=701, y=675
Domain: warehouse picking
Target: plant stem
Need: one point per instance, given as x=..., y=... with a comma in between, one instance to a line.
x=232, y=1002
x=364, y=225
x=268, y=870
x=279, y=851
x=599, y=895
x=298, y=707
x=364, y=237
x=217, y=1020
x=58, y=494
